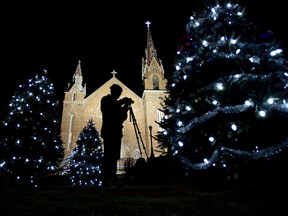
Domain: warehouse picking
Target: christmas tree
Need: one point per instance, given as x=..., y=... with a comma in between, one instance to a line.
x=228, y=97
x=83, y=166
x=31, y=144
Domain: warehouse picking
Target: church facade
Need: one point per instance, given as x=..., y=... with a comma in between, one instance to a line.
x=141, y=125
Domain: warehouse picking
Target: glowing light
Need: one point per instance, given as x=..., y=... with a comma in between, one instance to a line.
x=206, y=161
x=188, y=108
x=254, y=59
x=205, y=43
x=262, y=113
x=233, y=127
x=179, y=123
x=2, y=164
x=275, y=52
x=248, y=103
x=188, y=59
x=211, y=139
x=181, y=144
x=270, y=100
x=219, y=86
x=237, y=76
x=233, y=41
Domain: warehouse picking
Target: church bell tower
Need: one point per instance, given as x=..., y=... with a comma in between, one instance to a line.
x=154, y=84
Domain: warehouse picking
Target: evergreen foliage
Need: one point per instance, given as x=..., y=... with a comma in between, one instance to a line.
x=31, y=146
x=84, y=165
x=228, y=96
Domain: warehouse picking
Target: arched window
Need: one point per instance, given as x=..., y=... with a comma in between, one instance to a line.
x=74, y=96
x=70, y=132
x=155, y=82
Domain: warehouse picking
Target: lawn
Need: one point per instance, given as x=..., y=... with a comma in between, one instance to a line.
x=173, y=198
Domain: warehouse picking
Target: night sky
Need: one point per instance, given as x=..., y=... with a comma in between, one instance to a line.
x=104, y=36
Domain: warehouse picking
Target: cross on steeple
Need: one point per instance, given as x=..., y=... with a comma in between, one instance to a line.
x=114, y=73
x=148, y=23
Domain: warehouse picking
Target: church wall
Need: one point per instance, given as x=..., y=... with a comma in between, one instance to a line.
x=152, y=99
x=90, y=108
x=71, y=108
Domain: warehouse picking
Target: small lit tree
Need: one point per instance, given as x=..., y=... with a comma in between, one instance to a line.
x=84, y=164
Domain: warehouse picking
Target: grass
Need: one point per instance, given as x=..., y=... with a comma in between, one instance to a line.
x=175, y=198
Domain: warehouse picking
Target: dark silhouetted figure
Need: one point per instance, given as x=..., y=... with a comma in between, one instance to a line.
x=114, y=113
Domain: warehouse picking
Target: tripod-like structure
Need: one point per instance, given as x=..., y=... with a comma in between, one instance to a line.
x=137, y=132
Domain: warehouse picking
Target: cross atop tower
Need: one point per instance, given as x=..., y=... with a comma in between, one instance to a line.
x=114, y=73
x=148, y=23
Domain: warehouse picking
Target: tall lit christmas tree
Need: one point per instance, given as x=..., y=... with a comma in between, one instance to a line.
x=31, y=140
x=228, y=96
x=84, y=165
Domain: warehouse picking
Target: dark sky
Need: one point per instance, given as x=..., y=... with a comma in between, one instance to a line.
x=105, y=36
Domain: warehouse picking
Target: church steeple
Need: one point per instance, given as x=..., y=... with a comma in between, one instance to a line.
x=77, y=77
x=154, y=90
x=150, y=50
x=77, y=81
x=152, y=68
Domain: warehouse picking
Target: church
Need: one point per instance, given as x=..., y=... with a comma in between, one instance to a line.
x=141, y=125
